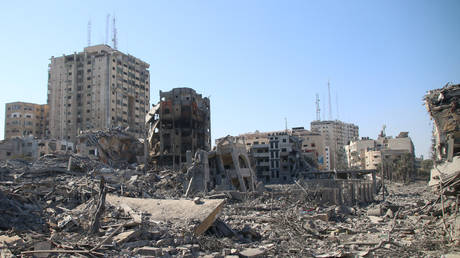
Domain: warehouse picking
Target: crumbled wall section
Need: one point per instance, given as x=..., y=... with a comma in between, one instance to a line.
x=444, y=107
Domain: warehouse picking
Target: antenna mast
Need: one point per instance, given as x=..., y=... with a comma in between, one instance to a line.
x=337, y=103
x=89, y=33
x=107, y=24
x=114, y=39
x=329, y=92
x=318, y=110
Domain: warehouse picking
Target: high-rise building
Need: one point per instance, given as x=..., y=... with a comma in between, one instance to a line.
x=24, y=119
x=336, y=134
x=98, y=88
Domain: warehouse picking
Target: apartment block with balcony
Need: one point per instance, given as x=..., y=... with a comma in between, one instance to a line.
x=25, y=119
x=336, y=134
x=98, y=88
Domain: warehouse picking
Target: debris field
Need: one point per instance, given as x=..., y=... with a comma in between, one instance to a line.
x=69, y=205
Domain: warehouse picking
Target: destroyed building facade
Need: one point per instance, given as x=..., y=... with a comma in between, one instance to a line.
x=98, y=88
x=336, y=134
x=444, y=108
x=225, y=168
x=24, y=119
x=32, y=148
x=277, y=156
x=179, y=124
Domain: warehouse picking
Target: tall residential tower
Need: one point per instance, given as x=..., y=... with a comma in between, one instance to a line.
x=98, y=88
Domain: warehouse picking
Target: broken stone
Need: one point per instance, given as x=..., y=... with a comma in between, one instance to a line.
x=11, y=240
x=125, y=236
x=389, y=213
x=252, y=252
x=150, y=251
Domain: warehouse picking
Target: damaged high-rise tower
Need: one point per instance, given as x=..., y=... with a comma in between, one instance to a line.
x=179, y=125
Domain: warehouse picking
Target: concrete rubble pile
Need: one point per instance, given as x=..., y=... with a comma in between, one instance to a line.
x=115, y=147
x=104, y=201
x=90, y=209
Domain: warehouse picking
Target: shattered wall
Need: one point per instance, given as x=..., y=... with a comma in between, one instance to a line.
x=180, y=122
x=444, y=108
x=114, y=147
x=227, y=167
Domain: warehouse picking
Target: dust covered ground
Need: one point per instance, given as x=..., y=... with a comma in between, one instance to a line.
x=48, y=209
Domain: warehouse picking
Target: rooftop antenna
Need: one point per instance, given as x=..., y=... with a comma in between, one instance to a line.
x=89, y=32
x=324, y=108
x=318, y=110
x=107, y=25
x=329, y=92
x=114, y=32
x=337, y=103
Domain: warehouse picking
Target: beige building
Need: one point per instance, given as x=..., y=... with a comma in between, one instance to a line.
x=24, y=119
x=336, y=134
x=98, y=88
x=367, y=153
x=372, y=159
x=312, y=145
x=356, y=152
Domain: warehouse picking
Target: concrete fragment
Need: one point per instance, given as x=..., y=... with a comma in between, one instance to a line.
x=197, y=200
x=176, y=211
x=45, y=245
x=375, y=211
x=11, y=240
x=150, y=251
x=125, y=236
x=389, y=213
x=252, y=252
x=375, y=219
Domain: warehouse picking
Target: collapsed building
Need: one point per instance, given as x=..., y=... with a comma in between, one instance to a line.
x=114, y=147
x=179, y=124
x=227, y=167
x=31, y=148
x=277, y=157
x=444, y=107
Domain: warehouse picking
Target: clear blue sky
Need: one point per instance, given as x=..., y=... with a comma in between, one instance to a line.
x=260, y=61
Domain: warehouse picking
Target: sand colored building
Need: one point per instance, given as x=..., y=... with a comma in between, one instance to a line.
x=24, y=119
x=98, y=88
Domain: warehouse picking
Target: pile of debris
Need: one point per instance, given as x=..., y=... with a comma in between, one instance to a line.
x=71, y=205
x=115, y=147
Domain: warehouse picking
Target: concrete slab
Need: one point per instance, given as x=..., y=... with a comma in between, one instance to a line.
x=176, y=211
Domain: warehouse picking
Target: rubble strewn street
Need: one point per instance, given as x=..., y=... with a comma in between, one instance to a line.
x=49, y=209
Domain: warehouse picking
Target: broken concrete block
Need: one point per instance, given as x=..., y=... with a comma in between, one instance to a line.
x=252, y=252
x=197, y=200
x=45, y=245
x=375, y=219
x=125, y=236
x=375, y=212
x=389, y=213
x=177, y=211
x=150, y=251
x=11, y=240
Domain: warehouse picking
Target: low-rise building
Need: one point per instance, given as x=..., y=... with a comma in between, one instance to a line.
x=24, y=119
